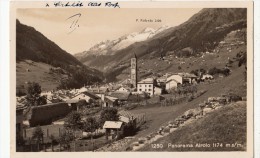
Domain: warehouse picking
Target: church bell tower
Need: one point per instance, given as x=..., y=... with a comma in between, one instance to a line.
x=134, y=71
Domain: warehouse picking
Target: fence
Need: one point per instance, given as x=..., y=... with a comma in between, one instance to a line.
x=140, y=119
x=47, y=144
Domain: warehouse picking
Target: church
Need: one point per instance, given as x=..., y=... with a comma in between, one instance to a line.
x=147, y=85
x=134, y=71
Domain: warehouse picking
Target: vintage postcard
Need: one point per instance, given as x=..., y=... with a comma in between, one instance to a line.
x=136, y=78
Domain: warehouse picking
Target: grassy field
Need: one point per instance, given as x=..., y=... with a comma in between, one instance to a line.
x=171, y=64
x=52, y=130
x=157, y=116
x=226, y=127
x=48, y=130
x=38, y=72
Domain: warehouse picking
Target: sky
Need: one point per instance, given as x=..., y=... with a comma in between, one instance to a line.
x=77, y=30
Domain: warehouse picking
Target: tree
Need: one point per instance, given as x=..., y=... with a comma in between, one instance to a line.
x=91, y=125
x=65, y=138
x=38, y=135
x=42, y=100
x=81, y=103
x=53, y=140
x=108, y=114
x=73, y=121
x=33, y=96
x=91, y=102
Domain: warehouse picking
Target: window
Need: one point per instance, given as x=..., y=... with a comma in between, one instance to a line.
x=150, y=89
x=140, y=89
x=150, y=85
x=145, y=85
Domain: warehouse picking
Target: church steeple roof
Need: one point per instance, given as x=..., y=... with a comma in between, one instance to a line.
x=134, y=55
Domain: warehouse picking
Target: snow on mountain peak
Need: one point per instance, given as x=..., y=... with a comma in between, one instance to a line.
x=148, y=29
x=126, y=40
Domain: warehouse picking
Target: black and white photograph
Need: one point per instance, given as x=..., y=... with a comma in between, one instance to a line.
x=132, y=79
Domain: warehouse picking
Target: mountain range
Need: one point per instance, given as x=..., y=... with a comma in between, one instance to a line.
x=109, y=47
x=33, y=45
x=110, y=59
x=201, y=33
x=37, y=56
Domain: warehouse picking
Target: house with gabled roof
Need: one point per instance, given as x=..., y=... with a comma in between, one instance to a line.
x=121, y=96
x=110, y=101
x=87, y=96
x=123, y=89
x=171, y=83
x=113, y=129
x=183, y=77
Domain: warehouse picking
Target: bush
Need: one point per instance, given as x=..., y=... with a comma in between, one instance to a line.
x=235, y=98
x=45, y=114
x=108, y=114
x=214, y=71
x=129, y=129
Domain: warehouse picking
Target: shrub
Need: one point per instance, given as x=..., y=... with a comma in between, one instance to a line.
x=129, y=129
x=108, y=114
x=214, y=71
x=235, y=98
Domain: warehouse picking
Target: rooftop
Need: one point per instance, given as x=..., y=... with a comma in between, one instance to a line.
x=172, y=80
x=127, y=114
x=120, y=95
x=147, y=80
x=90, y=94
x=113, y=124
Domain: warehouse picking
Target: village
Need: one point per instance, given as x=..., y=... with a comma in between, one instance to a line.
x=176, y=88
x=61, y=121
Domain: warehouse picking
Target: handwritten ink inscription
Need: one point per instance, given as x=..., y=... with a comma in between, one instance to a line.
x=110, y=4
x=81, y=4
x=74, y=22
x=68, y=4
x=94, y=4
x=107, y=4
